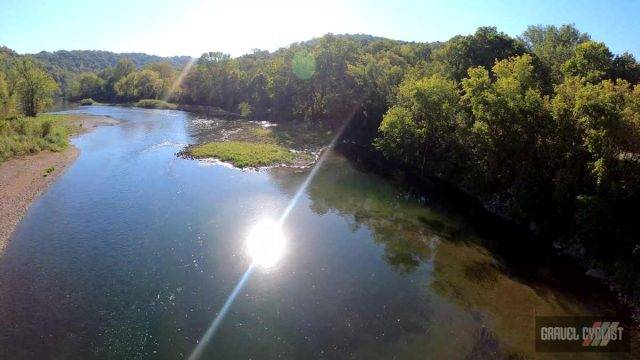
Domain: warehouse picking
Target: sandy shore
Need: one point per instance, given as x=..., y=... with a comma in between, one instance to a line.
x=23, y=179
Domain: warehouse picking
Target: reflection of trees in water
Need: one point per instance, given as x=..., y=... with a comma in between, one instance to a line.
x=464, y=271
x=398, y=222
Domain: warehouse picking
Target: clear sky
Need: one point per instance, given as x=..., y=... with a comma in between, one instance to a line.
x=190, y=27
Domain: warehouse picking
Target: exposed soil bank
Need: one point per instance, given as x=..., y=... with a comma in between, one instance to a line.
x=23, y=179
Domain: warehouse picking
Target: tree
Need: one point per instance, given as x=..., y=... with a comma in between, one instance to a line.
x=113, y=75
x=88, y=85
x=145, y=84
x=123, y=68
x=553, y=45
x=422, y=128
x=626, y=67
x=148, y=85
x=259, y=98
x=214, y=81
x=35, y=87
x=510, y=125
x=167, y=74
x=480, y=49
x=378, y=76
x=125, y=88
x=592, y=62
x=164, y=69
x=606, y=117
x=330, y=89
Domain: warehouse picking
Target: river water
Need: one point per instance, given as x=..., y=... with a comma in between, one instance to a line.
x=133, y=251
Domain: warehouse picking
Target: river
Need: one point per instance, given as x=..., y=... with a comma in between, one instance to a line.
x=133, y=251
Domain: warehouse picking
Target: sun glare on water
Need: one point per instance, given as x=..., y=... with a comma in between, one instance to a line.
x=266, y=243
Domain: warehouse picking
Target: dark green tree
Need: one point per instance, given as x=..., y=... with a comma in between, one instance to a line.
x=553, y=45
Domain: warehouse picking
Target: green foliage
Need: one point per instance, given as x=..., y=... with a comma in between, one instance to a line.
x=605, y=117
x=568, y=163
x=626, y=67
x=87, y=85
x=64, y=67
x=23, y=136
x=167, y=74
x=145, y=84
x=378, y=76
x=125, y=88
x=244, y=154
x=148, y=84
x=553, y=45
x=78, y=61
x=480, y=49
x=245, y=109
x=420, y=129
x=155, y=104
x=124, y=83
x=34, y=87
x=88, y=101
x=4, y=96
x=214, y=81
x=592, y=62
x=112, y=75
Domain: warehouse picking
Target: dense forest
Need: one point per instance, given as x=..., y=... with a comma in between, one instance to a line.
x=543, y=128
x=64, y=66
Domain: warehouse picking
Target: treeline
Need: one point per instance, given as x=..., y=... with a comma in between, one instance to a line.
x=78, y=74
x=320, y=79
x=77, y=61
x=124, y=82
x=64, y=65
x=324, y=79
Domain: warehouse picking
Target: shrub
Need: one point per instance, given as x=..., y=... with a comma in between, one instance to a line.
x=88, y=101
x=155, y=104
x=245, y=109
x=23, y=136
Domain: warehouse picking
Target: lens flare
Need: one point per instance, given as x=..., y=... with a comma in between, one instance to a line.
x=266, y=243
x=179, y=79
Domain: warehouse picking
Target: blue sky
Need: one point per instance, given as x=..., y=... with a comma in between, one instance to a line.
x=190, y=27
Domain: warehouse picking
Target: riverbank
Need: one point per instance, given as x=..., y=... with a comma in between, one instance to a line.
x=24, y=179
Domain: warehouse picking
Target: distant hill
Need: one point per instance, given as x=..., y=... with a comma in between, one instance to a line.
x=363, y=39
x=76, y=61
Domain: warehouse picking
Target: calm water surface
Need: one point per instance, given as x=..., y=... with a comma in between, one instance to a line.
x=133, y=251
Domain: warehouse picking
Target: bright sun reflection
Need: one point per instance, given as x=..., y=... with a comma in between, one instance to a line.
x=266, y=243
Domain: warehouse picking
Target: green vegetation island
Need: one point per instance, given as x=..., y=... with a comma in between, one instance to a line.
x=542, y=129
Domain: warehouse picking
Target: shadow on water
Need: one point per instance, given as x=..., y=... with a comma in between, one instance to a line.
x=483, y=264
